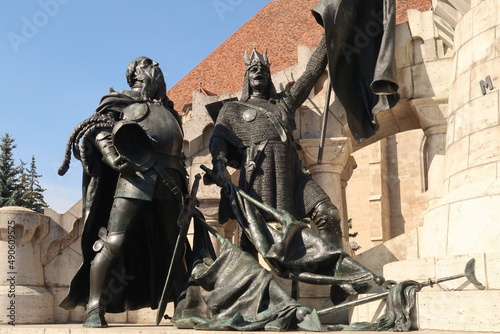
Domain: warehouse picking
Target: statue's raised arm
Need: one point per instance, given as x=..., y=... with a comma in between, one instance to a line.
x=254, y=135
x=302, y=87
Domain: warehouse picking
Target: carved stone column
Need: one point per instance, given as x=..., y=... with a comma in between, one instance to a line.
x=328, y=174
x=431, y=115
x=23, y=295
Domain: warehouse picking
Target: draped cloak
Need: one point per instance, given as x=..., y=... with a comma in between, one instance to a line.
x=360, y=47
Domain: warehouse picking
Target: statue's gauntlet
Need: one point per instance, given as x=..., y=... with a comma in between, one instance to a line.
x=103, y=142
x=220, y=163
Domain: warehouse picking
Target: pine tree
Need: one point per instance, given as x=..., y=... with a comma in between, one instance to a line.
x=10, y=193
x=32, y=197
x=19, y=186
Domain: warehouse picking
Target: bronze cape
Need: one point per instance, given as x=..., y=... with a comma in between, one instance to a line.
x=233, y=292
x=360, y=47
x=294, y=250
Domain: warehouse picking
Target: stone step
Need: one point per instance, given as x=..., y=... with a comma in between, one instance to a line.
x=142, y=329
x=463, y=311
x=462, y=308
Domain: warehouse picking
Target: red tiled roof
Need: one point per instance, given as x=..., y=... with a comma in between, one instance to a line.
x=279, y=27
x=403, y=5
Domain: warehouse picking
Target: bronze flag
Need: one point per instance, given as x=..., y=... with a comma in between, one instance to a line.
x=360, y=46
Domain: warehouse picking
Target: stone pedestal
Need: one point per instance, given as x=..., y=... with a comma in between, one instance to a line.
x=455, y=304
x=462, y=127
x=23, y=296
x=464, y=220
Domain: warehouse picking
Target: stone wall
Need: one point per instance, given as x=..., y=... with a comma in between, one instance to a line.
x=386, y=196
x=464, y=217
x=461, y=126
x=24, y=297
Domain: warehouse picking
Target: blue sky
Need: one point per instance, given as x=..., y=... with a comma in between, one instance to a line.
x=60, y=56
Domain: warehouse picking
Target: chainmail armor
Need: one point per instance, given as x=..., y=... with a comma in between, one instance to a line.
x=278, y=178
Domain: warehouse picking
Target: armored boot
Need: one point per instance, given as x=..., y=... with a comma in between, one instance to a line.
x=109, y=248
x=326, y=217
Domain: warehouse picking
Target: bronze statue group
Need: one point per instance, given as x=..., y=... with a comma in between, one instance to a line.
x=136, y=204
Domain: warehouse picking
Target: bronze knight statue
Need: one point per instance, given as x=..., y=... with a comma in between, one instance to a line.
x=133, y=190
x=254, y=134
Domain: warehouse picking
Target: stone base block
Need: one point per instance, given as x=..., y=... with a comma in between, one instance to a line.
x=459, y=310
x=144, y=316
x=134, y=329
x=77, y=315
x=27, y=305
x=314, y=291
x=486, y=270
x=118, y=318
x=463, y=221
x=463, y=311
x=147, y=316
x=463, y=308
x=61, y=316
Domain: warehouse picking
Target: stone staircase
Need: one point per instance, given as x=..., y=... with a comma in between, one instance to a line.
x=453, y=305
